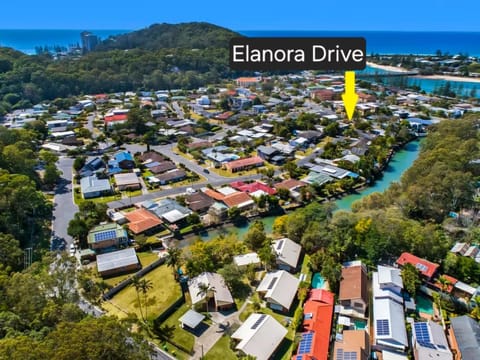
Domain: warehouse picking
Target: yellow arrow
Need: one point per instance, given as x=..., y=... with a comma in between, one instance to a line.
x=349, y=97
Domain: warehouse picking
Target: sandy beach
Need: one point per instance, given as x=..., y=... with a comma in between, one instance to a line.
x=449, y=78
x=387, y=67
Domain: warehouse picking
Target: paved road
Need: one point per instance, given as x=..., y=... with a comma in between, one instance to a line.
x=64, y=208
x=178, y=109
x=177, y=191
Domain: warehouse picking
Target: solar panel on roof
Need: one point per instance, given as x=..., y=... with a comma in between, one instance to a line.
x=443, y=347
x=280, y=244
x=383, y=327
x=258, y=322
x=350, y=355
x=305, y=345
x=105, y=235
x=421, y=332
x=272, y=282
x=339, y=354
x=421, y=267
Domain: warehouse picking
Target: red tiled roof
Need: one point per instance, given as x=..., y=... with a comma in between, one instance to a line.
x=141, y=220
x=248, y=79
x=321, y=295
x=224, y=116
x=354, y=284
x=240, y=163
x=236, y=199
x=117, y=117
x=252, y=187
x=318, y=320
x=425, y=267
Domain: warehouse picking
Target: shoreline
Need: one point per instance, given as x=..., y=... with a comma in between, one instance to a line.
x=396, y=69
x=448, y=78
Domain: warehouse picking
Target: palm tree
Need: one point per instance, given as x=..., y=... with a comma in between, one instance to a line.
x=145, y=286
x=136, y=285
x=205, y=290
x=173, y=259
x=476, y=310
x=444, y=282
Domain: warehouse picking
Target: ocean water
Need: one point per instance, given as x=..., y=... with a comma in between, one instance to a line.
x=395, y=42
x=383, y=42
x=27, y=40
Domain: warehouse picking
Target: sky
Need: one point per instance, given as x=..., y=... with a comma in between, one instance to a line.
x=405, y=15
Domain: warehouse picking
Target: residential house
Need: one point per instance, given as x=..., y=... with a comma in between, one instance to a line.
x=198, y=202
x=429, y=341
x=278, y=288
x=218, y=211
x=388, y=314
x=354, y=344
x=427, y=269
x=169, y=210
x=247, y=259
x=317, y=325
x=293, y=186
x=151, y=156
x=127, y=181
x=288, y=253
x=253, y=187
x=118, y=262
x=142, y=221
x=115, y=119
x=331, y=170
x=248, y=81
x=323, y=95
x=219, y=293
x=171, y=176
x=91, y=187
x=259, y=336
x=124, y=160
x=107, y=236
x=353, y=296
x=464, y=336
x=161, y=167
x=267, y=152
x=240, y=200
x=91, y=167
x=244, y=164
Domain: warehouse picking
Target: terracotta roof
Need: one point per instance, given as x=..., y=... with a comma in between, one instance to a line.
x=289, y=184
x=354, y=283
x=213, y=194
x=141, y=220
x=113, y=118
x=317, y=322
x=248, y=79
x=250, y=161
x=321, y=295
x=252, y=187
x=449, y=287
x=236, y=199
x=425, y=267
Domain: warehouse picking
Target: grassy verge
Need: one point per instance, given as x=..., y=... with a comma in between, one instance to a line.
x=164, y=292
x=225, y=173
x=221, y=350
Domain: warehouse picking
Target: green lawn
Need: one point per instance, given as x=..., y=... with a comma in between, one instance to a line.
x=174, y=331
x=165, y=291
x=221, y=350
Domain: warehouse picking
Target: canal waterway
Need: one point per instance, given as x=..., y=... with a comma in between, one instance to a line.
x=398, y=164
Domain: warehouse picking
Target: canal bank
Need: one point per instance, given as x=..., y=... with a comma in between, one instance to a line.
x=398, y=164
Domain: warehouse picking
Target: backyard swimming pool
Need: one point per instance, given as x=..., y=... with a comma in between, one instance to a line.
x=424, y=304
x=318, y=282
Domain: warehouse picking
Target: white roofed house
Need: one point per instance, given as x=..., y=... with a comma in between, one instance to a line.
x=247, y=259
x=259, y=336
x=429, y=341
x=210, y=287
x=388, y=313
x=288, y=253
x=279, y=289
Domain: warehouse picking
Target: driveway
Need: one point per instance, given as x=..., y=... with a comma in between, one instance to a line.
x=64, y=208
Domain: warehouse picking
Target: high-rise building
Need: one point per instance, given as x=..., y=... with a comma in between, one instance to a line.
x=89, y=41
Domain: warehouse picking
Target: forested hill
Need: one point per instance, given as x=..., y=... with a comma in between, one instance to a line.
x=160, y=57
x=193, y=35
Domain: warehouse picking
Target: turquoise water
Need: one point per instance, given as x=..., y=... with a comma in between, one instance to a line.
x=360, y=324
x=429, y=85
x=424, y=304
x=318, y=282
x=400, y=162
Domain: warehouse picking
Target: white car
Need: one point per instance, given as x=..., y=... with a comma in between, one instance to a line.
x=72, y=249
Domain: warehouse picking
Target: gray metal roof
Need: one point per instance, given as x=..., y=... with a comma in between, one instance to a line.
x=116, y=259
x=191, y=318
x=467, y=334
